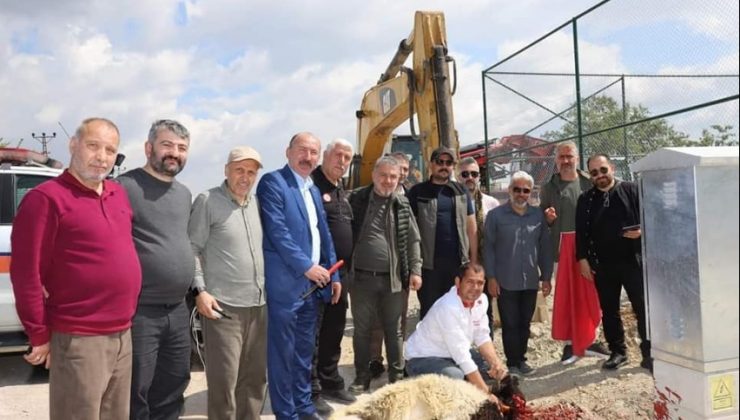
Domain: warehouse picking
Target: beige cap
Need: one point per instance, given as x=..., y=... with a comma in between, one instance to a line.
x=243, y=153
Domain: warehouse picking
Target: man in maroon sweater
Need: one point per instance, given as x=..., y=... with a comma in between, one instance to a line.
x=76, y=278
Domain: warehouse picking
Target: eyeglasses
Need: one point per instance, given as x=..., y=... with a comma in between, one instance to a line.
x=518, y=190
x=444, y=162
x=469, y=174
x=595, y=172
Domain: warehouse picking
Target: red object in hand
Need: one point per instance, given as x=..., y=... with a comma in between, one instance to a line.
x=336, y=267
x=332, y=270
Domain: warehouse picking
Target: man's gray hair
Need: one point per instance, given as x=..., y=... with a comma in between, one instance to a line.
x=468, y=161
x=521, y=175
x=386, y=160
x=171, y=125
x=570, y=144
x=400, y=156
x=82, y=129
x=339, y=142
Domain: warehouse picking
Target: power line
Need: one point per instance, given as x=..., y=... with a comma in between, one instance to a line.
x=44, y=140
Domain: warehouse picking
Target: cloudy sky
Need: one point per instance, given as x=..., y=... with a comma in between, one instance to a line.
x=255, y=72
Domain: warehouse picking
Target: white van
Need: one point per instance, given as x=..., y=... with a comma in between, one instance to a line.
x=20, y=170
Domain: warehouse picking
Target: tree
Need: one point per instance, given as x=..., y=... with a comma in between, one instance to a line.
x=724, y=136
x=3, y=143
x=602, y=113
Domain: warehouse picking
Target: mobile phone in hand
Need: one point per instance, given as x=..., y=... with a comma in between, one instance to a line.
x=628, y=228
x=222, y=313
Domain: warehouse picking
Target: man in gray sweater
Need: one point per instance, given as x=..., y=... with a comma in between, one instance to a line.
x=160, y=330
x=226, y=235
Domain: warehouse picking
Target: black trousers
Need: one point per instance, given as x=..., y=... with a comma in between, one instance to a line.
x=516, y=308
x=329, y=332
x=609, y=282
x=435, y=283
x=160, y=338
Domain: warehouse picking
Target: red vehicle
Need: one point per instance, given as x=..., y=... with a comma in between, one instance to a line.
x=513, y=153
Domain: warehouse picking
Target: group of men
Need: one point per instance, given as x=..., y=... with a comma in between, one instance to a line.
x=101, y=270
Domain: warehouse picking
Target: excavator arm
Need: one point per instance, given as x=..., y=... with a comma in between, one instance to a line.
x=424, y=91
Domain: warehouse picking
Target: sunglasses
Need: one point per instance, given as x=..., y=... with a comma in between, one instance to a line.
x=444, y=162
x=518, y=190
x=469, y=174
x=595, y=172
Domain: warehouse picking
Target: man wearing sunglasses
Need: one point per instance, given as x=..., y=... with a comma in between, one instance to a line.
x=517, y=256
x=470, y=175
x=575, y=319
x=609, y=253
x=446, y=217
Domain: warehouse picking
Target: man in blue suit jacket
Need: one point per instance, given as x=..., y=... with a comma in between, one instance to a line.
x=297, y=248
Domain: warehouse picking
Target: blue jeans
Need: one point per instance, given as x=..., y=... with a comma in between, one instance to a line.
x=445, y=366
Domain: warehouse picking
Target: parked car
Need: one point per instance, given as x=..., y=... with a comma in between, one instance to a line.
x=20, y=170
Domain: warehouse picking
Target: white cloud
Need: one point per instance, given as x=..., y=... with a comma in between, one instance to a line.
x=256, y=72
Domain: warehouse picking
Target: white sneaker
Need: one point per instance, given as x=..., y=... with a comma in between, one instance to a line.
x=570, y=360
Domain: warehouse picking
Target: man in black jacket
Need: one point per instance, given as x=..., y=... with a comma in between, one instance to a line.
x=446, y=218
x=609, y=252
x=386, y=262
x=325, y=378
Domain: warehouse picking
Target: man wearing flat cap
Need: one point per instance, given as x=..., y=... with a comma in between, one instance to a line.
x=446, y=217
x=226, y=236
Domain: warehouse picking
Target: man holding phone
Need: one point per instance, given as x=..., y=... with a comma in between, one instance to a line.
x=229, y=288
x=609, y=252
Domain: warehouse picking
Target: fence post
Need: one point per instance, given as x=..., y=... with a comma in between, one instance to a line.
x=624, y=130
x=578, y=92
x=485, y=133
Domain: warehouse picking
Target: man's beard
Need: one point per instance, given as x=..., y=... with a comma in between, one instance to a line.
x=160, y=166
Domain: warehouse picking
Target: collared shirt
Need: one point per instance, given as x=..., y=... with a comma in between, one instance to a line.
x=449, y=329
x=227, y=242
x=488, y=203
x=304, y=185
x=517, y=250
x=77, y=244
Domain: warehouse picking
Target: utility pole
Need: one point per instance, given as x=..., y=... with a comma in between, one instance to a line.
x=44, y=139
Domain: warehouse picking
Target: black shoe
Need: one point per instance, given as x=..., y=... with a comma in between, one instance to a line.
x=597, y=349
x=647, y=363
x=314, y=416
x=567, y=352
x=525, y=369
x=376, y=369
x=340, y=395
x=615, y=360
x=360, y=385
x=322, y=407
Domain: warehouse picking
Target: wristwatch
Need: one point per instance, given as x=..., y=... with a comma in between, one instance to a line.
x=195, y=291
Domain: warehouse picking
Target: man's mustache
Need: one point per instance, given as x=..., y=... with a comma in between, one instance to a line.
x=177, y=159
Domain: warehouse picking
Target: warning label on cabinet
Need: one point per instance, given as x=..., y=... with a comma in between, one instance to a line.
x=722, y=392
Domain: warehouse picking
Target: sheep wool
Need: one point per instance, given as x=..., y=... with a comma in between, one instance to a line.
x=422, y=397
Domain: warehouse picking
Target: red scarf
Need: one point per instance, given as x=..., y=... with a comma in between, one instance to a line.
x=466, y=303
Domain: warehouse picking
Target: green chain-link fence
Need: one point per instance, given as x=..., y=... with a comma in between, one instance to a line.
x=623, y=78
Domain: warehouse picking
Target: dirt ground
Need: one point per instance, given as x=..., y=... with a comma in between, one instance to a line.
x=627, y=393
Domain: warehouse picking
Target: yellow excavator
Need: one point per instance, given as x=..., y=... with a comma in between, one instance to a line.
x=425, y=90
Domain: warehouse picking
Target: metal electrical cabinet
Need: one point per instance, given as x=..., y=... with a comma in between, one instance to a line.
x=689, y=200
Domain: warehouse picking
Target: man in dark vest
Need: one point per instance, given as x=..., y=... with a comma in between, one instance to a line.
x=446, y=218
x=386, y=261
x=325, y=378
x=608, y=251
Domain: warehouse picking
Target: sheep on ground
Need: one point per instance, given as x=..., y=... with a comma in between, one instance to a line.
x=428, y=397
